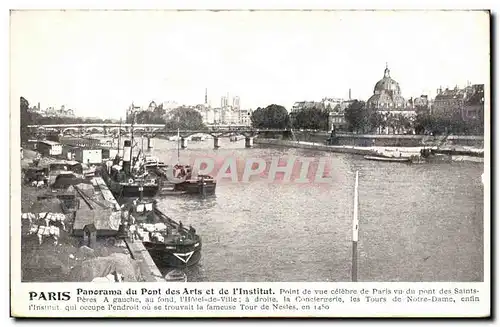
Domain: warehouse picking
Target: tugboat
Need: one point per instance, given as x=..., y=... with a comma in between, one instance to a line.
x=169, y=242
x=123, y=181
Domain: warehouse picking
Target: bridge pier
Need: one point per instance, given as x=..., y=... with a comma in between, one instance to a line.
x=216, y=142
x=248, y=141
x=150, y=142
x=183, y=143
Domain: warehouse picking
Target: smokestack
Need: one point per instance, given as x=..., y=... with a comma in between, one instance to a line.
x=206, y=97
x=349, y=94
x=127, y=148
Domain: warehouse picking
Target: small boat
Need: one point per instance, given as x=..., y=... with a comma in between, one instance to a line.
x=388, y=159
x=153, y=162
x=197, y=138
x=201, y=184
x=176, y=276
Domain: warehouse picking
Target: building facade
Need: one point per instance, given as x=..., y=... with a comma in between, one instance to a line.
x=53, y=112
x=395, y=113
x=297, y=106
x=386, y=94
x=336, y=117
x=467, y=102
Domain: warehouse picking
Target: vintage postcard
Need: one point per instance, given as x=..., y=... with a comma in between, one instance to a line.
x=250, y=163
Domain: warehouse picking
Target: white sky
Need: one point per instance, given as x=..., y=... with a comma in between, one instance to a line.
x=98, y=62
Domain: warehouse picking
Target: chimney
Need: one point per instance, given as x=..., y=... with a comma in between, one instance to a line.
x=127, y=150
x=349, y=94
x=206, y=97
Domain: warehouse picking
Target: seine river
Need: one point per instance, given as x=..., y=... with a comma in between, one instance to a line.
x=421, y=222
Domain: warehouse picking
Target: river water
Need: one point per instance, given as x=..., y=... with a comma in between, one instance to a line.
x=421, y=222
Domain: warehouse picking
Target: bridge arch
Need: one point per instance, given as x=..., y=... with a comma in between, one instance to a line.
x=94, y=129
x=139, y=129
x=117, y=129
x=69, y=129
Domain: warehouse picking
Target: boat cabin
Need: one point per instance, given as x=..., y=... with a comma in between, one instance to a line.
x=49, y=148
x=143, y=211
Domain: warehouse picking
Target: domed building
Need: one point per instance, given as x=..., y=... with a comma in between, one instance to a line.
x=386, y=94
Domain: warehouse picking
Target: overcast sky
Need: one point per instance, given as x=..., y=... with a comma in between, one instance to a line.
x=98, y=62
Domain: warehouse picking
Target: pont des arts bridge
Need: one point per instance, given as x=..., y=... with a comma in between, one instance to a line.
x=154, y=130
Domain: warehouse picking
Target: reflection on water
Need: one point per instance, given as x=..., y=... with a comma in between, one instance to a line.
x=417, y=222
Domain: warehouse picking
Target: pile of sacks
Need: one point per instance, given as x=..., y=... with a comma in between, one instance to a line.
x=158, y=227
x=150, y=232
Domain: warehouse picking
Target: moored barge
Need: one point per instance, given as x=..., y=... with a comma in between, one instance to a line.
x=168, y=242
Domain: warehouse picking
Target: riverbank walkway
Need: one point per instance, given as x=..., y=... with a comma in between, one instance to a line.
x=149, y=270
x=361, y=150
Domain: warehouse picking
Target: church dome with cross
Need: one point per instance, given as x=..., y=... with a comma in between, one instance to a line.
x=386, y=94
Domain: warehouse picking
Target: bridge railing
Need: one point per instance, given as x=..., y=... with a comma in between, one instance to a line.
x=160, y=128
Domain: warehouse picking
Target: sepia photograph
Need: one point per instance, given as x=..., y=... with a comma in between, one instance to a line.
x=250, y=145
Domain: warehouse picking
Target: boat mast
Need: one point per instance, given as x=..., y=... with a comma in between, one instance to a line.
x=178, y=140
x=119, y=136
x=355, y=232
x=132, y=138
x=141, y=190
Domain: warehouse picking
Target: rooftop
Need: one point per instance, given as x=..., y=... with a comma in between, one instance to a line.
x=50, y=142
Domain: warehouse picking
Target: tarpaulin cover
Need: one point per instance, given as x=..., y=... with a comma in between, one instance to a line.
x=89, y=269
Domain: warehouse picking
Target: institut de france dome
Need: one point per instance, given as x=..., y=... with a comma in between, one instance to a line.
x=386, y=94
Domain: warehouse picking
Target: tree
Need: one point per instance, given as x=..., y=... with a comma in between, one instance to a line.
x=356, y=116
x=375, y=120
x=27, y=118
x=443, y=123
x=272, y=116
x=312, y=118
x=184, y=118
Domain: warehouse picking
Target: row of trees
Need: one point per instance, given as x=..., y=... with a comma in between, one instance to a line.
x=453, y=124
x=276, y=116
x=272, y=116
x=312, y=118
x=182, y=117
x=359, y=119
